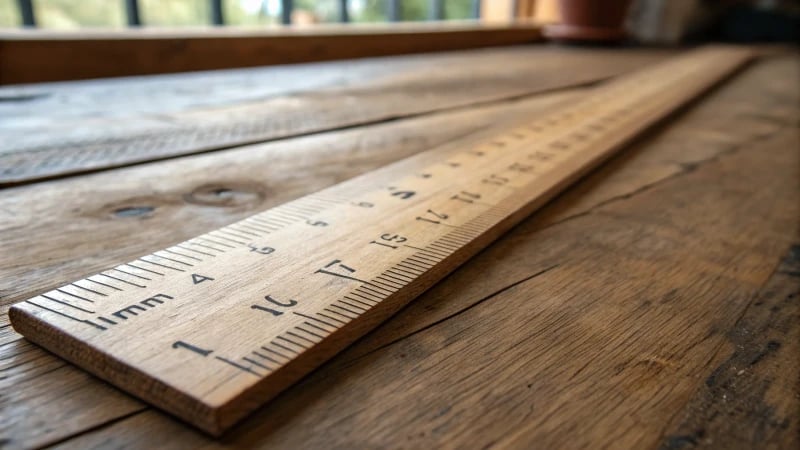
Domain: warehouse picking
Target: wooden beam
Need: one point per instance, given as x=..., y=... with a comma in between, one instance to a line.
x=39, y=56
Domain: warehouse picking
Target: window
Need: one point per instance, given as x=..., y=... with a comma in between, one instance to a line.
x=368, y=10
x=315, y=11
x=9, y=14
x=70, y=14
x=175, y=12
x=251, y=12
x=459, y=9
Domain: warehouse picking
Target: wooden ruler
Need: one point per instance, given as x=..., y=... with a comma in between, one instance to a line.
x=211, y=328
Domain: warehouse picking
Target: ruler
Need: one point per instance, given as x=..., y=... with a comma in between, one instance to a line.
x=209, y=329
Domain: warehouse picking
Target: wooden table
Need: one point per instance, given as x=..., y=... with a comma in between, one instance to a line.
x=654, y=304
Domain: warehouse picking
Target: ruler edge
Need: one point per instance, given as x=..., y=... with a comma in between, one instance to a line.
x=215, y=421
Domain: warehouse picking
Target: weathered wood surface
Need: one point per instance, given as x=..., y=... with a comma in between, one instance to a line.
x=60, y=128
x=596, y=322
x=204, y=328
x=750, y=398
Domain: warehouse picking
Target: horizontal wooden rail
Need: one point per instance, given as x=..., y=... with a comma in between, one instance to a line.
x=28, y=56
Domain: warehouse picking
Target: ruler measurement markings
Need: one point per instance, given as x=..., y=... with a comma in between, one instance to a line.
x=338, y=303
x=103, y=284
x=309, y=332
x=227, y=237
x=92, y=291
x=143, y=269
x=349, y=222
x=159, y=264
x=260, y=230
x=173, y=252
x=65, y=303
x=386, y=286
x=298, y=336
x=276, y=353
x=203, y=238
x=284, y=347
x=290, y=342
x=79, y=297
x=118, y=279
x=262, y=356
x=328, y=309
x=333, y=319
x=244, y=234
x=61, y=313
x=366, y=295
x=173, y=259
x=360, y=302
x=365, y=298
x=194, y=250
x=316, y=319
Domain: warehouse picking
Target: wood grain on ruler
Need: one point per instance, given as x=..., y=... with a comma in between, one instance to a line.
x=323, y=283
x=75, y=127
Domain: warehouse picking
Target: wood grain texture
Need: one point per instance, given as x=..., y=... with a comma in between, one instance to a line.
x=211, y=328
x=114, y=123
x=552, y=356
x=752, y=398
x=195, y=194
x=738, y=117
x=36, y=56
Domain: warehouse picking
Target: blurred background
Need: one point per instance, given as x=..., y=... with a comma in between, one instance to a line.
x=648, y=21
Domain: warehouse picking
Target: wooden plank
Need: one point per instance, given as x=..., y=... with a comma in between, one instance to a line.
x=322, y=265
x=37, y=56
x=752, y=107
x=751, y=398
x=119, y=122
x=212, y=189
x=39, y=380
x=559, y=358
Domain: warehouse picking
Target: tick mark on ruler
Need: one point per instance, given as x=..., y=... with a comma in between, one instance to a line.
x=198, y=350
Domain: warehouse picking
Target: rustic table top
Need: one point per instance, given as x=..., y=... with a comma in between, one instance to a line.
x=653, y=304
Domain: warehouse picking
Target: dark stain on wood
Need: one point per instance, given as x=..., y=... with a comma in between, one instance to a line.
x=133, y=211
x=751, y=399
x=226, y=195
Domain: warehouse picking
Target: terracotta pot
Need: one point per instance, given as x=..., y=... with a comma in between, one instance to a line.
x=590, y=20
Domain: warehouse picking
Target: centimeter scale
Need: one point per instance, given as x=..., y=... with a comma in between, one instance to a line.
x=211, y=328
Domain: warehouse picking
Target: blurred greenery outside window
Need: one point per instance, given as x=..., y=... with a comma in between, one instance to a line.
x=72, y=14
x=171, y=13
x=368, y=11
x=9, y=14
x=79, y=13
